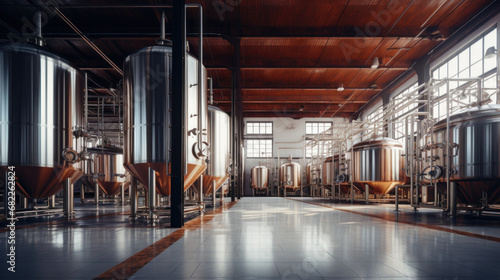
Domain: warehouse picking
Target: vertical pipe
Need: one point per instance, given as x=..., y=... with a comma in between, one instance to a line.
x=447, y=146
x=163, y=20
x=178, y=110
x=211, y=83
x=435, y=195
x=96, y=194
x=133, y=197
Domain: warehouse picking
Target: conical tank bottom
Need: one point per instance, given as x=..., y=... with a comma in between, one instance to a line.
x=110, y=188
x=40, y=182
x=140, y=171
x=208, y=182
x=469, y=191
x=377, y=187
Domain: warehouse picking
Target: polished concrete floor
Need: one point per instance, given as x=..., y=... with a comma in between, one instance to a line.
x=262, y=238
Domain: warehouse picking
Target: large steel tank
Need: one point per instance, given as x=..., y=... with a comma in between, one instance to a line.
x=377, y=163
x=219, y=127
x=327, y=177
x=290, y=175
x=474, y=145
x=41, y=103
x=147, y=118
x=313, y=174
x=259, y=177
x=108, y=166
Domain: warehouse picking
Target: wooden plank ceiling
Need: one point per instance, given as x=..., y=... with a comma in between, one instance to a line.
x=294, y=54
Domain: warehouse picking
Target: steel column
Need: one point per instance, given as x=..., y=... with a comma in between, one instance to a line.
x=96, y=194
x=178, y=103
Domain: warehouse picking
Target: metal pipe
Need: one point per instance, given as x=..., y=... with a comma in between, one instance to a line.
x=211, y=83
x=163, y=20
x=200, y=72
x=133, y=197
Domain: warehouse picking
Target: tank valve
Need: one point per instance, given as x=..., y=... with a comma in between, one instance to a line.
x=432, y=172
x=70, y=155
x=200, y=153
x=193, y=132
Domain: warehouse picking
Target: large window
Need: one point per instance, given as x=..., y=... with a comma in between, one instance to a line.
x=320, y=148
x=375, y=122
x=468, y=63
x=313, y=128
x=398, y=125
x=259, y=148
x=259, y=128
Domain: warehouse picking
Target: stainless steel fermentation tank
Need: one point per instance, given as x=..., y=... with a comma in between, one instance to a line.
x=313, y=174
x=41, y=103
x=147, y=119
x=219, y=127
x=259, y=177
x=327, y=177
x=378, y=164
x=108, y=166
x=475, y=148
x=290, y=177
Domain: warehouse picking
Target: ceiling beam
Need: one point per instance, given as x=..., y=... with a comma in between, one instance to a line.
x=336, y=67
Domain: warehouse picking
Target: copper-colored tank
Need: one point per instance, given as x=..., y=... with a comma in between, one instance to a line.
x=41, y=103
x=290, y=175
x=313, y=174
x=147, y=118
x=259, y=176
x=377, y=163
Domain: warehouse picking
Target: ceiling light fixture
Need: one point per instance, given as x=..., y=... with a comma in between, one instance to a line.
x=491, y=52
x=375, y=63
x=341, y=87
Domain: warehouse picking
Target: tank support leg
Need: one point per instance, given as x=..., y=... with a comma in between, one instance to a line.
x=200, y=193
x=133, y=197
x=123, y=194
x=68, y=199
x=352, y=193
x=214, y=193
x=396, y=196
x=96, y=200
x=367, y=194
x=152, y=194
x=82, y=194
x=6, y=196
x=453, y=199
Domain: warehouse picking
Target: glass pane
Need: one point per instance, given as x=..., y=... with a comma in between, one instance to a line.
x=463, y=60
x=453, y=67
x=443, y=71
x=476, y=51
x=490, y=40
x=476, y=69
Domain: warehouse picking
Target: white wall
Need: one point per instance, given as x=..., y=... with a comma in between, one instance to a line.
x=287, y=133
